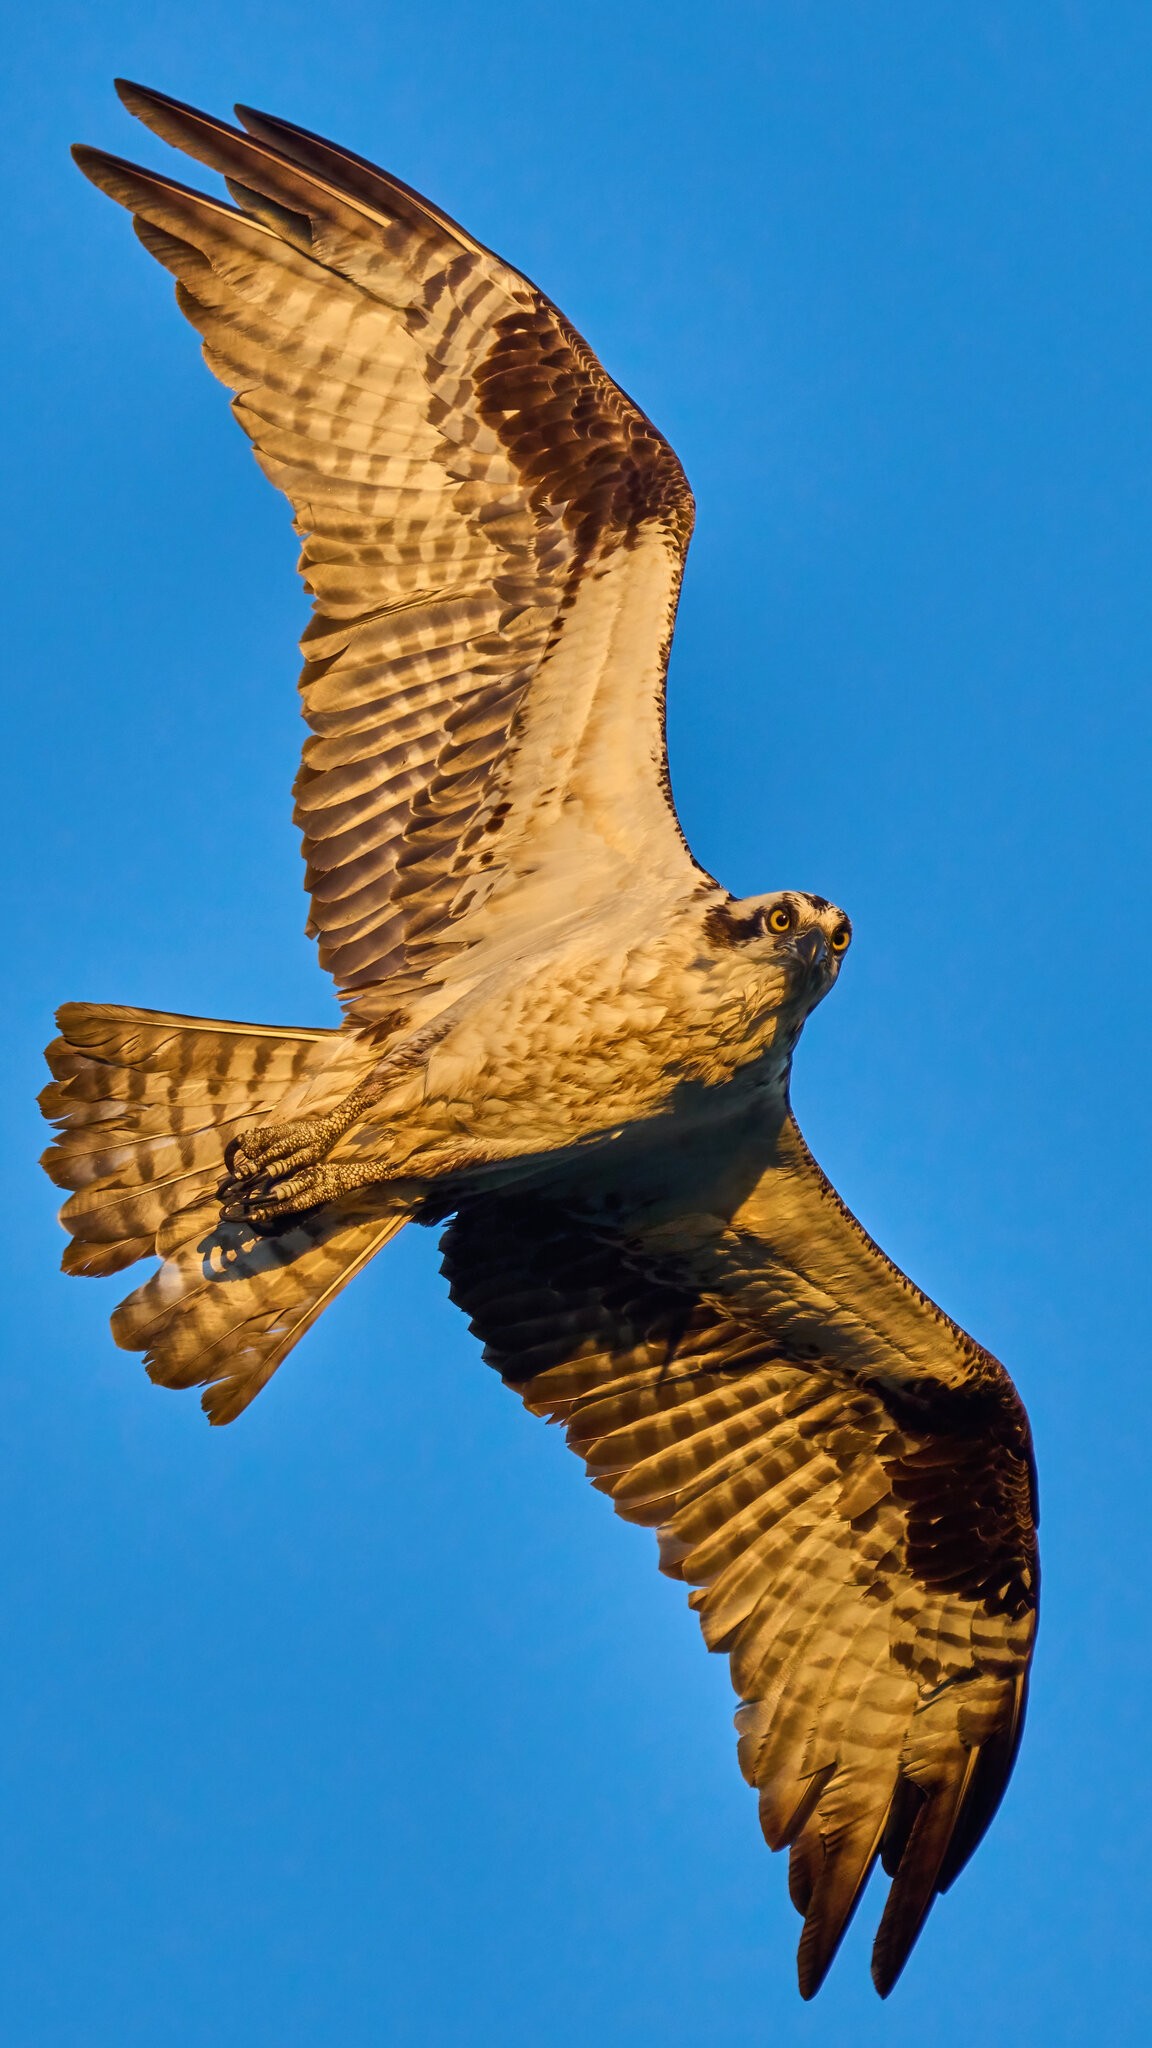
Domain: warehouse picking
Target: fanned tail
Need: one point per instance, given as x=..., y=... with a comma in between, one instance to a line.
x=145, y=1104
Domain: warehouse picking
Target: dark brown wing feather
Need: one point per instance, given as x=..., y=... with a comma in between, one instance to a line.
x=457, y=462
x=864, y=1552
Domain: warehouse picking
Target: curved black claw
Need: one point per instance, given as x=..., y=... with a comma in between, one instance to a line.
x=274, y=1170
x=237, y=1191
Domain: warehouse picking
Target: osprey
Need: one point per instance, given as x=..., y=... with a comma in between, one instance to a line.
x=562, y=1039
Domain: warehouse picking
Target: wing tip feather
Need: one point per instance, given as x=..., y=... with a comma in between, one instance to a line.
x=828, y=1874
x=128, y=91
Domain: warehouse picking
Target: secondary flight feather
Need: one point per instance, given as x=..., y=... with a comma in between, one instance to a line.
x=562, y=1039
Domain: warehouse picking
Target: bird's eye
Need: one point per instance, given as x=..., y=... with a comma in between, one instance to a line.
x=841, y=938
x=780, y=918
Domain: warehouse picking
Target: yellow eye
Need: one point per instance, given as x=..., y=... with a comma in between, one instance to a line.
x=780, y=919
x=841, y=938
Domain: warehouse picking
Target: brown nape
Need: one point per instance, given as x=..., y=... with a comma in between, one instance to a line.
x=725, y=928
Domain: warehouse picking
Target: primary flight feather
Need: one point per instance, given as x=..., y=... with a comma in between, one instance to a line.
x=562, y=1038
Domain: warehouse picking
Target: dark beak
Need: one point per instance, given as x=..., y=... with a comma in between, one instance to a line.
x=811, y=949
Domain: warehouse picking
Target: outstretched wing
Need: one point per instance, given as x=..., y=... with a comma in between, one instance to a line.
x=844, y=1478
x=493, y=533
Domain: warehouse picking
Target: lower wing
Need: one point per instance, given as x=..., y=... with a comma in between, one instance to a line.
x=842, y=1476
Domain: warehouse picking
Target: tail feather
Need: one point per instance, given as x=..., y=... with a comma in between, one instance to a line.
x=228, y=1304
x=145, y=1104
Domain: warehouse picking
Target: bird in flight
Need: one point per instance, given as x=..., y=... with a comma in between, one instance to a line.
x=562, y=1039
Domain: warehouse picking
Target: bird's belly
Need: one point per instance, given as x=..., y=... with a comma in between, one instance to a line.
x=536, y=1077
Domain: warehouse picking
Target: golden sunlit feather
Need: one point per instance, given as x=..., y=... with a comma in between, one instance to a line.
x=561, y=1039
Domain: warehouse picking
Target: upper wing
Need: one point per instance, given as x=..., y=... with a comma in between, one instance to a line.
x=494, y=535
x=844, y=1477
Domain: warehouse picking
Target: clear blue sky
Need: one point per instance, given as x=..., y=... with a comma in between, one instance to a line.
x=365, y=1722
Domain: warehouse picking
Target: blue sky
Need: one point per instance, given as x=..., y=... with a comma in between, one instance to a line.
x=365, y=1721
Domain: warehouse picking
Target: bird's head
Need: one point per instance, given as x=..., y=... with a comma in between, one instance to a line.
x=806, y=937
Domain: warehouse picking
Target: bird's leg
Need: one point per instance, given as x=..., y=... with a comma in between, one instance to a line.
x=275, y=1168
x=271, y=1153
x=270, y=1198
x=267, y=1200
x=303, y=1142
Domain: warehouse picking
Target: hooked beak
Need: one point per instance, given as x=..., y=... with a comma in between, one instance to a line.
x=811, y=949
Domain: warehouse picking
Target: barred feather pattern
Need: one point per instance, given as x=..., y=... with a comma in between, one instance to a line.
x=864, y=1553
x=144, y=1104
x=493, y=534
